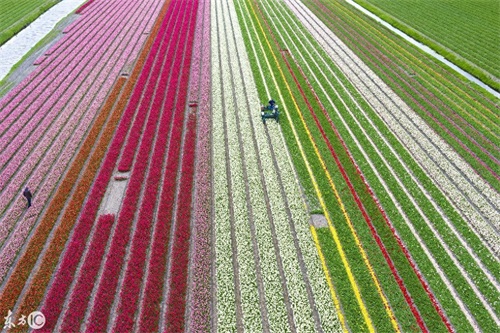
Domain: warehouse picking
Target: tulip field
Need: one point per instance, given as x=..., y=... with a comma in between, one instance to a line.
x=162, y=202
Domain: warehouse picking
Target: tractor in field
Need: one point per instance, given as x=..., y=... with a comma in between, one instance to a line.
x=270, y=111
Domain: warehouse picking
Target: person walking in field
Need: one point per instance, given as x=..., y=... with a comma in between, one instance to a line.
x=27, y=194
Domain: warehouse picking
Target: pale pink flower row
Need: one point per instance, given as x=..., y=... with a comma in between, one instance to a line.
x=199, y=316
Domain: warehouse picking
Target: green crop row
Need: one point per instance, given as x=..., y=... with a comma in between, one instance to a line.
x=7, y=83
x=421, y=75
x=464, y=230
x=19, y=14
x=352, y=126
x=454, y=81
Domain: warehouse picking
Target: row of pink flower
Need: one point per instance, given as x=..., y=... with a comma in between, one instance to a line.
x=44, y=178
x=93, y=18
x=52, y=117
x=44, y=120
x=49, y=106
x=20, y=93
x=199, y=306
x=89, y=14
x=64, y=68
x=75, y=44
x=55, y=297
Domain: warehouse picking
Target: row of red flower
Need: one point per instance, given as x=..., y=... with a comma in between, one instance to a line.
x=149, y=103
x=131, y=288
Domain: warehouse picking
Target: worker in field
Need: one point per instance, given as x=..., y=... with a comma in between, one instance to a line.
x=272, y=103
x=27, y=194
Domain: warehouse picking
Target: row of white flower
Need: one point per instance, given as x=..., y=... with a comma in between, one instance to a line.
x=241, y=124
x=224, y=273
x=286, y=177
x=273, y=291
x=312, y=24
x=228, y=168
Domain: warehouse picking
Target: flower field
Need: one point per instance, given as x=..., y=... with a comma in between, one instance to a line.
x=162, y=202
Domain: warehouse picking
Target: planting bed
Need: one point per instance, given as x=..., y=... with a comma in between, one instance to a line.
x=162, y=202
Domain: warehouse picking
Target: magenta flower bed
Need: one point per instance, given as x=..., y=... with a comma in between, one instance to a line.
x=150, y=312
x=148, y=103
x=131, y=287
x=176, y=304
x=91, y=28
x=34, y=92
x=114, y=262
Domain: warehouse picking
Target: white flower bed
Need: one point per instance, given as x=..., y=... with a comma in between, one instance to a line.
x=329, y=320
x=295, y=285
x=302, y=312
x=224, y=274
